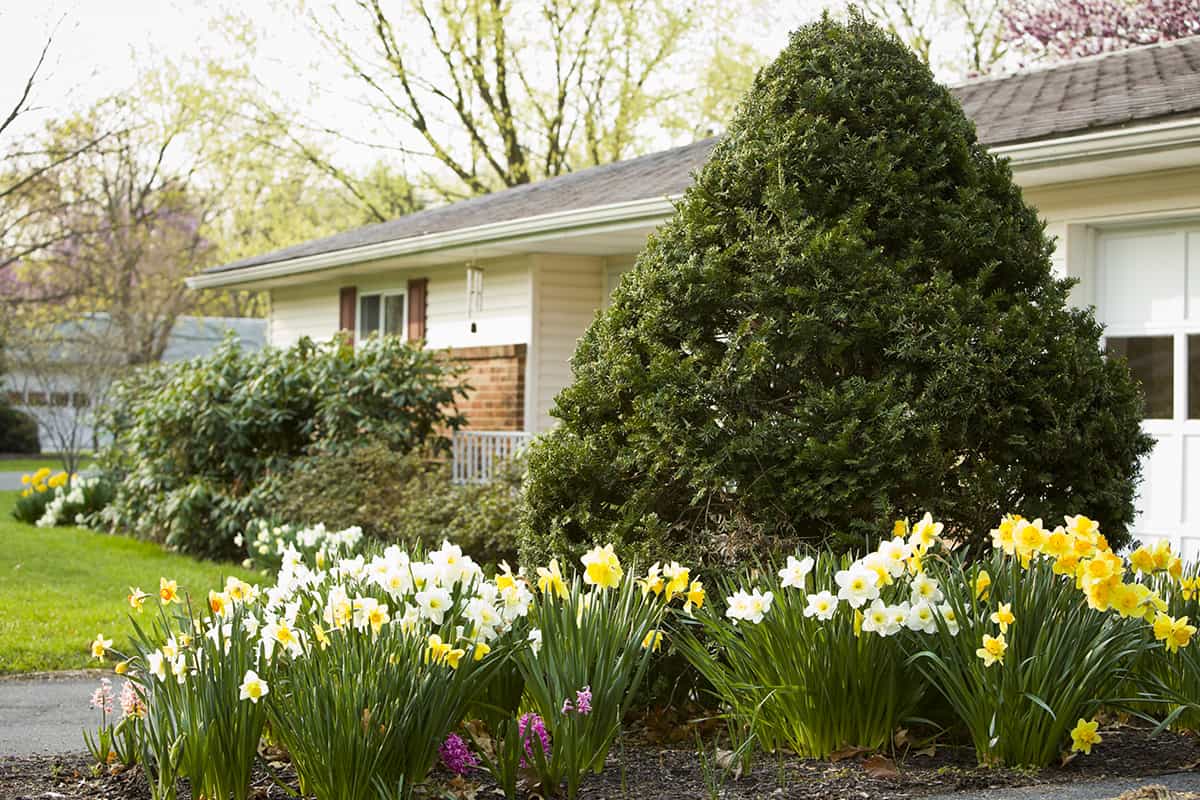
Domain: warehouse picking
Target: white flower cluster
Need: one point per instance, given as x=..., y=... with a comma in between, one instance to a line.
x=893, y=572
x=275, y=545
x=57, y=511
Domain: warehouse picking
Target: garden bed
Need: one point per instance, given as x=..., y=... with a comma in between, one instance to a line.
x=1125, y=752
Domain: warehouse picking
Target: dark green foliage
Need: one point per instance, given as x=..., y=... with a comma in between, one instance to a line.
x=406, y=498
x=197, y=445
x=18, y=431
x=852, y=318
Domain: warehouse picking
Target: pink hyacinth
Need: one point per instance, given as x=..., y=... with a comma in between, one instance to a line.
x=131, y=704
x=583, y=701
x=456, y=756
x=533, y=723
x=102, y=698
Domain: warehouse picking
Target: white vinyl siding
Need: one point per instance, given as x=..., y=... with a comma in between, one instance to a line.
x=567, y=292
x=309, y=309
x=312, y=309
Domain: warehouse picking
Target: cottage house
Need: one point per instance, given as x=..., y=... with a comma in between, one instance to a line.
x=1107, y=148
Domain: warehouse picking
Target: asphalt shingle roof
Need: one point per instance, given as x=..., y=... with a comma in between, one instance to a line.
x=1111, y=90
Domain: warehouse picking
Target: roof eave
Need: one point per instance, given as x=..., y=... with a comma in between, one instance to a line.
x=510, y=231
x=1046, y=155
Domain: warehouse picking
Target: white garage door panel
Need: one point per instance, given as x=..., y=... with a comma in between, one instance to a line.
x=1159, y=509
x=1149, y=286
x=1139, y=286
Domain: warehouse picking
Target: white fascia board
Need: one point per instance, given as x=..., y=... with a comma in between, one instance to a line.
x=492, y=233
x=1103, y=144
x=1027, y=156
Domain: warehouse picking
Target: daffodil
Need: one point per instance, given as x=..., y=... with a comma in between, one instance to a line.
x=677, y=579
x=925, y=533
x=794, y=573
x=218, y=602
x=550, y=580
x=653, y=641
x=856, y=585
x=1173, y=633
x=602, y=568
x=694, y=597
x=1003, y=537
x=1084, y=735
x=1003, y=616
x=653, y=582
x=253, y=688
x=122, y=667
x=993, y=649
x=479, y=650
x=1142, y=560
x=100, y=646
x=168, y=591
x=1127, y=599
x=983, y=582
x=156, y=665
x=821, y=605
x=136, y=598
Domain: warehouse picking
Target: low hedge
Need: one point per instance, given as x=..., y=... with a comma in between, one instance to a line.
x=403, y=497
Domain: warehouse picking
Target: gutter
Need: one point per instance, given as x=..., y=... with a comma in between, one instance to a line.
x=647, y=210
x=1028, y=156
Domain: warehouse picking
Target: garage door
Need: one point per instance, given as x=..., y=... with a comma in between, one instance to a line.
x=1148, y=297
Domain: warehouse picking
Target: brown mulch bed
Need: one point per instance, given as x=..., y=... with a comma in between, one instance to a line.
x=647, y=770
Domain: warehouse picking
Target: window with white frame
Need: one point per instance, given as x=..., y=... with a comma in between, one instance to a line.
x=382, y=313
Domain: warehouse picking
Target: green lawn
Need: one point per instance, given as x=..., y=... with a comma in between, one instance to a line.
x=34, y=463
x=59, y=587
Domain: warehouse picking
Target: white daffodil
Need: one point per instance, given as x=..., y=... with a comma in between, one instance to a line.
x=253, y=688
x=925, y=588
x=877, y=619
x=949, y=617
x=856, y=585
x=921, y=618
x=821, y=605
x=895, y=552
x=156, y=666
x=433, y=603
x=795, y=572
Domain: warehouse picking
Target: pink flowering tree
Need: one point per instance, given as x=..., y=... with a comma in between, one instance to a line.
x=1067, y=29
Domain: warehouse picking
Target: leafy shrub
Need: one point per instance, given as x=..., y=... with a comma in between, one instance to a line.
x=196, y=444
x=851, y=316
x=18, y=431
x=404, y=497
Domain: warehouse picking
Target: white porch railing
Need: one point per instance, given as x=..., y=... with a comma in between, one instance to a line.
x=478, y=455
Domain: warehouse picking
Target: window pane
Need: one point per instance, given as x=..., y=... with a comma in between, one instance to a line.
x=368, y=314
x=393, y=316
x=1152, y=362
x=1193, y=345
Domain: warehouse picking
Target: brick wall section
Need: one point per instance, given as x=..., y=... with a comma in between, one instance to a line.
x=497, y=377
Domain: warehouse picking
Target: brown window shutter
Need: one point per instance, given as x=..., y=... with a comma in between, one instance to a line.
x=418, y=291
x=347, y=305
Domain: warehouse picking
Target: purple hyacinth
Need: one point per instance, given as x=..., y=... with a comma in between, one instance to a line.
x=532, y=722
x=456, y=756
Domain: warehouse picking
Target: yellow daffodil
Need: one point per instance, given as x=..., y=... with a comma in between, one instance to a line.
x=993, y=650
x=1174, y=633
x=678, y=578
x=1003, y=535
x=454, y=656
x=1162, y=555
x=100, y=646
x=1028, y=539
x=858, y=623
x=321, y=636
x=900, y=528
x=1082, y=527
x=1057, y=544
x=168, y=591
x=602, y=568
x=479, y=650
x=505, y=580
x=1126, y=599
x=26, y=480
x=121, y=667
x=653, y=641
x=1175, y=568
x=1187, y=588
x=1003, y=616
x=1084, y=735
x=1142, y=560
x=58, y=480
x=1066, y=565
x=550, y=580
x=695, y=597
x=983, y=582
x=653, y=582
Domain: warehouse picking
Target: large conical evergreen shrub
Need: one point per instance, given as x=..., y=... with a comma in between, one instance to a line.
x=851, y=319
